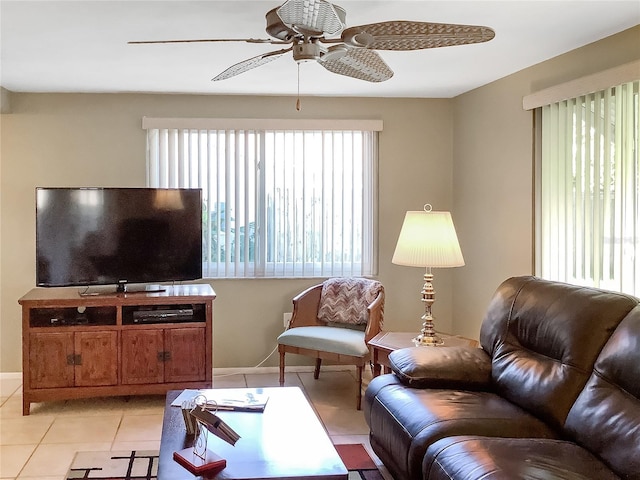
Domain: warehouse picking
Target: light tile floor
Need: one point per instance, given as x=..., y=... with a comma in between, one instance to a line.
x=42, y=445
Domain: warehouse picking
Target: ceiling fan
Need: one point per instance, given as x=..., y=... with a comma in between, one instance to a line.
x=315, y=30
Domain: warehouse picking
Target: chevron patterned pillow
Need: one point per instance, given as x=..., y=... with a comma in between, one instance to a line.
x=345, y=300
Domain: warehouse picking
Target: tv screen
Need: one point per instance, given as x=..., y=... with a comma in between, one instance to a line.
x=103, y=236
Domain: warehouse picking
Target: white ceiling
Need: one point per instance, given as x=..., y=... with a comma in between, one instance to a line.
x=81, y=46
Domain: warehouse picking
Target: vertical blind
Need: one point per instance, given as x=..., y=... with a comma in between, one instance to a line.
x=589, y=202
x=277, y=203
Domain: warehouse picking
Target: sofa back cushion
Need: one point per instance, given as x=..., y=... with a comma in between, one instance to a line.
x=606, y=416
x=544, y=338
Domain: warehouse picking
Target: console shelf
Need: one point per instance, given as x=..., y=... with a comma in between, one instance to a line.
x=77, y=346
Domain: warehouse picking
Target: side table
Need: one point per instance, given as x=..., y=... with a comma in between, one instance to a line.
x=386, y=342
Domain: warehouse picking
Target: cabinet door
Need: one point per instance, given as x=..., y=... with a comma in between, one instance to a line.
x=143, y=355
x=186, y=362
x=96, y=358
x=51, y=359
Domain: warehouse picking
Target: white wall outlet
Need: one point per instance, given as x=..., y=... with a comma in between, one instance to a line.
x=286, y=318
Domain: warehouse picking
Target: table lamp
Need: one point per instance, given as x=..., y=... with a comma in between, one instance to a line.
x=428, y=239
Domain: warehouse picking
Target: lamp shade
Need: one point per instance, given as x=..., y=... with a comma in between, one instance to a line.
x=428, y=239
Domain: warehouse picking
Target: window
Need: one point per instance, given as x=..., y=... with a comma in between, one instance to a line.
x=278, y=202
x=589, y=221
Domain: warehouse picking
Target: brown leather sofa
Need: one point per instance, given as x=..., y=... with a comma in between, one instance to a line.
x=554, y=392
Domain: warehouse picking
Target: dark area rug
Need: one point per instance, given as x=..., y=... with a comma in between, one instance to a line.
x=357, y=460
x=143, y=464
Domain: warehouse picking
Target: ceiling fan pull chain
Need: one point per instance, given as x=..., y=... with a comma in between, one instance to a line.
x=298, y=99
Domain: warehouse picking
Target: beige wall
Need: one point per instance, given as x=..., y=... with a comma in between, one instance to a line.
x=472, y=154
x=493, y=171
x=97, y=140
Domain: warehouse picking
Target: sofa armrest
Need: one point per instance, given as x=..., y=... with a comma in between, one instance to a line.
x=442, y=367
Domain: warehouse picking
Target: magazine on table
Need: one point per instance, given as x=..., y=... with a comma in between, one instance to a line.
x=230, y=399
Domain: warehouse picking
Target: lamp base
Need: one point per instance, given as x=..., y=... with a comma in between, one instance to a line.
x=426, y=340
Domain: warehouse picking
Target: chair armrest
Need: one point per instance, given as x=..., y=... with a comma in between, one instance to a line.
x=442, y=367
x=305, y=308
x=376, y=317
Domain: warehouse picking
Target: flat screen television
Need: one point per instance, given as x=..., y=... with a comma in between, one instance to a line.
x=119, y=236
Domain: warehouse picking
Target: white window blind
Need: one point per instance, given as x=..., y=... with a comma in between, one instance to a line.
x=277, y=203
x=588, y=226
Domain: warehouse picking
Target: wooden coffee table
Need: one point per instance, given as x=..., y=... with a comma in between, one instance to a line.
x=386, y=342
x=287, y=440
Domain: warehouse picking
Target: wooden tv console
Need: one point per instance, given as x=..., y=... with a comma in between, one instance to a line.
x=111, y=344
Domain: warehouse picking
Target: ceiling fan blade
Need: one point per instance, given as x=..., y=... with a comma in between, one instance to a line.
x=250, y=63
x=203, y=40
x=406, y=35
x=359, y=63
x=312, y=17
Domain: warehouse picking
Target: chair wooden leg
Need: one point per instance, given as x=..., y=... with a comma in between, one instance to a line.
x=281, y=368
x=316, y=372
x=359, y=401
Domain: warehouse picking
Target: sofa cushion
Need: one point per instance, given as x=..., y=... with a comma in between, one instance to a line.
x=442, y=367
x=345, y=341
x=606, y=416
x=405, y=421
x=544, y=338
x=472, y=458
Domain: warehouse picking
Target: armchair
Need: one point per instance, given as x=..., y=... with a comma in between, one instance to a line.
x=334, y=321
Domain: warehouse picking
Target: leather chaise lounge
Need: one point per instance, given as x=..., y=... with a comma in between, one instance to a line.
x=554, y=392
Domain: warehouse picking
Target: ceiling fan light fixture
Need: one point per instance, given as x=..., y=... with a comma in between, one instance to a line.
x=313, y=17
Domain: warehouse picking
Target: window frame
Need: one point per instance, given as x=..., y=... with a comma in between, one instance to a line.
x=261, y=267
x=604, y=263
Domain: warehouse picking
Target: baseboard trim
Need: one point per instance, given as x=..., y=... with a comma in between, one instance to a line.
x=262, y=370
x=10, y=375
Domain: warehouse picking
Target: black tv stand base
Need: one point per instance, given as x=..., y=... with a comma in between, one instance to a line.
x=123, y=288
